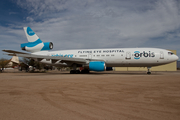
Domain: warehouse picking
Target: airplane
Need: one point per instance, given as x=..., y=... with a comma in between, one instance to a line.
x=92, y=59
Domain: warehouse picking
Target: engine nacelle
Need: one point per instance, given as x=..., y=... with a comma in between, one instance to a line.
x=48, y=46
x=97, y=66
x=36, y=46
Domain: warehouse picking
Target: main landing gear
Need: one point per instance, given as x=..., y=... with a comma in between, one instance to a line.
x=74, y=71
x=149, y=71
x=85, y=71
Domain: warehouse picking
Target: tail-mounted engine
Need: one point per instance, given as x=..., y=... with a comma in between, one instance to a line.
x=37, y=46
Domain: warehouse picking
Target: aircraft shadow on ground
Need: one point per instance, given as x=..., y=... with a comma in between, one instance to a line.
x=91, y=73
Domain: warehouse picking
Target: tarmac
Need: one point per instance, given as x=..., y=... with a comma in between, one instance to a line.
x=59, y=95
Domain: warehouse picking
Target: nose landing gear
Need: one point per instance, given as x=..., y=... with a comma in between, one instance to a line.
x=149, y=71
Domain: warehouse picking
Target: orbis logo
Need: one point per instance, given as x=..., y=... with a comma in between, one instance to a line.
x=138, y=55
x=30, y=32
x=64, y=55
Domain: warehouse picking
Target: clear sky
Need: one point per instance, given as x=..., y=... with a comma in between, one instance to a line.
x=79, y=24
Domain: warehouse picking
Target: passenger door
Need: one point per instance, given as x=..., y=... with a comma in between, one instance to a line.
x=90, y=56
x=128, y=55
x=161, y=55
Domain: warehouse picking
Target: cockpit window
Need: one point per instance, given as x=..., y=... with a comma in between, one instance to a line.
x=170, y=53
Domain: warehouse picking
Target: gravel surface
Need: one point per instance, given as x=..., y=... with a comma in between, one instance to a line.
x=97, y=96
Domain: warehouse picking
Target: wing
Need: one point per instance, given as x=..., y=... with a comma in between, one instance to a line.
x=14, y=52
x=54, y=59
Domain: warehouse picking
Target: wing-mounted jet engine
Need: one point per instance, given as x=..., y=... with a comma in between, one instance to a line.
x=96, y=66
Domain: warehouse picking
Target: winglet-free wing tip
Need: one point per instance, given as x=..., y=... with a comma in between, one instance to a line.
x=14, y=52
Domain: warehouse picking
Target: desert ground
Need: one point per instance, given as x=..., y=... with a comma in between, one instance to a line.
x=59, y=95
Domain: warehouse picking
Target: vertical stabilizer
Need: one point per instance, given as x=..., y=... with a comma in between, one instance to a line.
x=30, y=34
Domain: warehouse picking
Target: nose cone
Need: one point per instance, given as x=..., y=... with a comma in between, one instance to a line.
x=176, y=57
x=173, y=58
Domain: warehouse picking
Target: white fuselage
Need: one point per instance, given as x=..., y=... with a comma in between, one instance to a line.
x=117, y=57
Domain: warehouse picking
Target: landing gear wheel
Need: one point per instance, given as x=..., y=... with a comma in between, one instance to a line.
x=72, y=71
x=78, y=72
x=75, y=72
x=148, y=73
x=85, y=71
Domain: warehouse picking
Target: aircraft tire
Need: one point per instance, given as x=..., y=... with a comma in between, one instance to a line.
x=72, y=72
x=78, y=72
x=84, y=71
x=148, y=73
